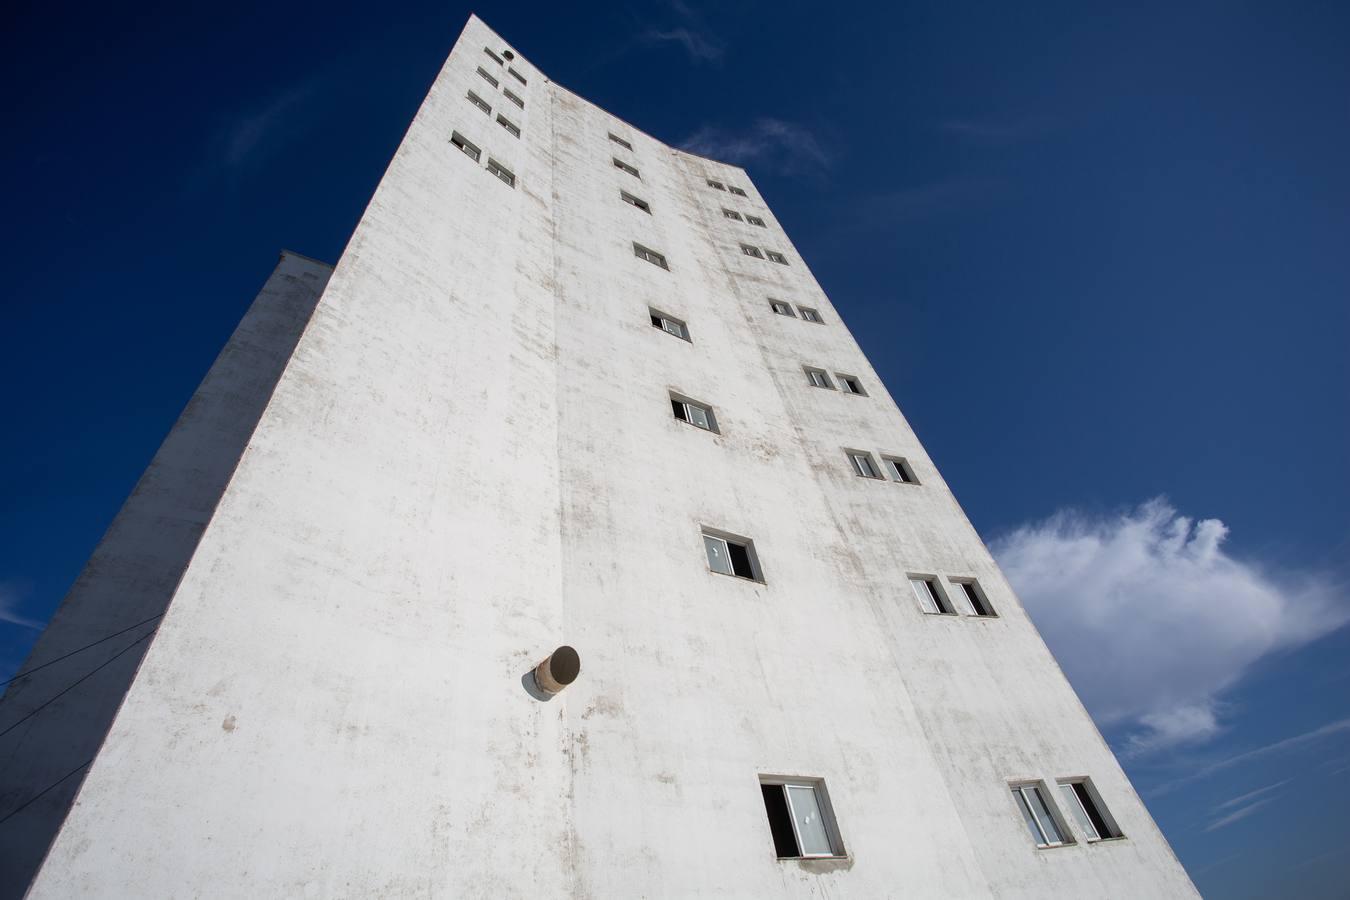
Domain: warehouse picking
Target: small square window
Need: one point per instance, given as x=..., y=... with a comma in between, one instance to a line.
x=809, y=314
x=480, y=103
x=620, y=141
x=669, y=324
x=501, y=172
x=900, y=470
x=731, y=214
x=751, y=251
x=716, y=184
x=470, y=150
x=620, y=164
x=974, y=596
x=818, y=378
x=513, y=98
x=737, y=191
x=508, y=125
x=1088, y=810
x=700, y=415
x=1038, y=811
x=800, y=818
x=864, y=465
x=650, y=256
x=516, y=75
x=850, y=384
x=777, y=257
x=635, y=201
x=731, y=555
x=931, y=598
x=495, y=58
x=486, y=77
x=783, y=309
x=755, y=220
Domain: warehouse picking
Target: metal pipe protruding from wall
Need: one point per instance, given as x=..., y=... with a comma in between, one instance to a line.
x=559, y=669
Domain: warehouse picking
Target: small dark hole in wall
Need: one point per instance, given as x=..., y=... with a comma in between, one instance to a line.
x=740, y=560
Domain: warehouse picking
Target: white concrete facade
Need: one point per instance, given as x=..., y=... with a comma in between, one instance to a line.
x=471, y=458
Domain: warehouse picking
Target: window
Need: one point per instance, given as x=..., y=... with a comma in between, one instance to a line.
x=635, y=201
x=731, y=214
x=1088, y=810
x=696, y=414
x=650, y=256
x=495, y=58
x=1038, y=812
x=800, y=818
x=783, y=309
x=899, y=470
x=516, y=75
x=931, y=598
x=508, y=125
x=751, y=251
x=777, y=257
x=480, y=103
x=620, y=141
x=716, y=184
x=810, y=315
x=731, y=555
x=458, y=140
x=669, y=324
x=850, y=384
x=513, y=98
x=620, y=164
x=501, y=172
x=488, y=78
x=979, y=603
x=737, y=191
x=755, y=220
x=818, y=378
x=863, y=464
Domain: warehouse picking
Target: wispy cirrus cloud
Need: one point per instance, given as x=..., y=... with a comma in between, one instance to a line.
x=11, y=602
x=1153, y=620
x=778, y=146
x=1237, y=816
x=687, y=30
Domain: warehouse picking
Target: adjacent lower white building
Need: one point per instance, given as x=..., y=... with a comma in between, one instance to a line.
x=566, y=386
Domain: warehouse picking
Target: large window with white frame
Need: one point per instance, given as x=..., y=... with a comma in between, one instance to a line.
x=864, y=464
x=801, y=819
x=975, y=599
x=730, y=554
x=900, y=469
x=1039, y=813
x=818, y=378
x=930, y=596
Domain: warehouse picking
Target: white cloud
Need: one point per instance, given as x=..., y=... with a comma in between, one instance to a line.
x=1238, y=816
x=1153, y=620
x=785, y=148
x=699, y=46
x=11, y=599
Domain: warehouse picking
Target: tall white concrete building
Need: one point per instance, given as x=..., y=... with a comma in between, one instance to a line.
x=566, y=386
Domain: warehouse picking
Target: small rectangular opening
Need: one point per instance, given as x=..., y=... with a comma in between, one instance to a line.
x=620, y=141
x=755, y=220
x=480, y=103
x=1038, y=812
x=864, y=465
x=801, y=819
x=650, y=256
x=505, y=174
x=620, y=164
x=729, y=554
x=513, y=98
x=486, y=77
x=495, y=58
x=1087, y=808
x=851, y=384
x=900, y=470
x=700, y=415
x=974, y=596
x=737, y=191
x=716, y=184
x=516, y=75
x=635, y=201
x=470, y=150
x=931, y=598
x=783, y=309
x=669, y=324
x=731, y=214
x=818, y=378
x=775, y=256
x=508, y=125
x=809, y=314
x=751, y=251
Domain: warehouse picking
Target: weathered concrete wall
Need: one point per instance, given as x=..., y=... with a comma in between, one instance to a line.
x=56, y=719
x=471, y=459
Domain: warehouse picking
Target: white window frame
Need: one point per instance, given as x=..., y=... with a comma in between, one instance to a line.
x=635, y=201
x=466, y=147
x=818, y=378
x=718, y=536
x=967, y=586
x=480, y=103
x=748, y=250
x=650, y=255
x=755, y=220
x=775, y=256
x=810, y=314
x=488, y=78
x=513, y=98
x=625, y=167
x=715, y=184
x=511, y=127
x=1032, y=821
x=901, y=471
x=620, y=141
x=667, y=320
x=1090, y=831
x=708, y=414
x=933, y=594
x=737, y=191
x=495, y=58
x=864, y=464
x=519, y=77
x=774, y=304
x=827, y=817
x=846, y=380
x=731, y=214
x=503, y=174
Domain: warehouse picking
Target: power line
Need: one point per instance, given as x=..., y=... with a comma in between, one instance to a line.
x=31, y=800
x=76, y=684
x=80, y=650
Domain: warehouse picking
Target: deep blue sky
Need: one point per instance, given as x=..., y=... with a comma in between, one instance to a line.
x=1099, y=253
